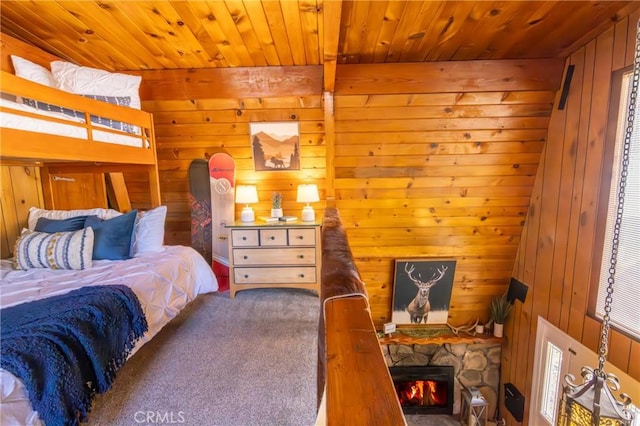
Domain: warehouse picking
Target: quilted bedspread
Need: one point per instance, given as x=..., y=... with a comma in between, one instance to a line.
x=163, y=282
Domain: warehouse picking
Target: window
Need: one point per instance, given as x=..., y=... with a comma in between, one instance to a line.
x=625, y=310
x=550, y=391
x=556, y=355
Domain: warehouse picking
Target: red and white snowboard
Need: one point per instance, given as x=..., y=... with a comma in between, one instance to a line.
x=222, y=178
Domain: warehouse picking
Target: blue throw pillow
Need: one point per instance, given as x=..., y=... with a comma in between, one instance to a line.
x=60, y=225
x=112, y=237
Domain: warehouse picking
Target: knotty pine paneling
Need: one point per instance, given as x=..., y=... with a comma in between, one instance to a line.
x=20, y=189
x=193, y=123
x=142, y=35
x=439, y=160
x=560, y=240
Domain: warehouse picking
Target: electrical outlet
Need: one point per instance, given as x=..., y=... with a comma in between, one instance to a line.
x=389, y=328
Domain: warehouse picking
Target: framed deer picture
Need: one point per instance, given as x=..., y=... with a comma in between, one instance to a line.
x=422, y=291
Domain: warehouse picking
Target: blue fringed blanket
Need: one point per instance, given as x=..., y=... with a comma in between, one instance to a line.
x=67, y=348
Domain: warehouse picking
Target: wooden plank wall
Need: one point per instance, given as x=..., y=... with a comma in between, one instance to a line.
x=20, y=189
x=194, y=122
x=438, y=160
x=559, y=241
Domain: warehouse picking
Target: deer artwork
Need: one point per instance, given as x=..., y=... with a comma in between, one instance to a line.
x=419, y=307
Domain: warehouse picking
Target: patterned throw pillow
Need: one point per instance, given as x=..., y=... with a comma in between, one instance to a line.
x=60, y=250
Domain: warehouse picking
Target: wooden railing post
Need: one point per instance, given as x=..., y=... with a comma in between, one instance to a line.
x=352, y=372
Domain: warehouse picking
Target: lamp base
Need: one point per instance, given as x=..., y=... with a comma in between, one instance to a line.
x=308, y=214
x=247, y=215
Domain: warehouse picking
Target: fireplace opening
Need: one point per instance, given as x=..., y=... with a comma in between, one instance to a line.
x=424, y=389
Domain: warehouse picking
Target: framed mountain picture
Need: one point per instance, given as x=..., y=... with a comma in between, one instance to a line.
x=275, y=145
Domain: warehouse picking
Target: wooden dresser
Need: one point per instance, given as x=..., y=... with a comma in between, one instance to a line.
x=282, y=254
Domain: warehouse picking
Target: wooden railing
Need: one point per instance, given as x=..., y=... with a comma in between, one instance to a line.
x=353, y=378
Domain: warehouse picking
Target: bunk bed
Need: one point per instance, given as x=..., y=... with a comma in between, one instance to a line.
x=55, y=141
x=164, y=279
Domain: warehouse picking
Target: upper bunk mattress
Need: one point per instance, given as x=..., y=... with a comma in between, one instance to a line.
x=31, y=124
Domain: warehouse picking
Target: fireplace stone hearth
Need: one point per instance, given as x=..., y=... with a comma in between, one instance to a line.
x=475, y=364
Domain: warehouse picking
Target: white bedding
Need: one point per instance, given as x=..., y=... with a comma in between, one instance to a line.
x=20, y=122
x=164, y=283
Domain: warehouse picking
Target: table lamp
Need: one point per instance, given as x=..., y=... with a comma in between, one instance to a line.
x=247, y=194
x=308, y=193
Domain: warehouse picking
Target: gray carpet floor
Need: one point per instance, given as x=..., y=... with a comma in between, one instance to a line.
x=246, y=361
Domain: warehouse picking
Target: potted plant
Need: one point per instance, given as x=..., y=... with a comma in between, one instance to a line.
x=276, y=205
x=499, y=310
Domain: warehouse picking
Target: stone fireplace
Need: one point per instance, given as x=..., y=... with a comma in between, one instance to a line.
x=476, y=363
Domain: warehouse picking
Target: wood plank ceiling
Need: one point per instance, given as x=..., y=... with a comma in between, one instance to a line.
x=139, y=35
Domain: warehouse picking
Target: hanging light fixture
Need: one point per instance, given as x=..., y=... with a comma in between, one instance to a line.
x=592, y=403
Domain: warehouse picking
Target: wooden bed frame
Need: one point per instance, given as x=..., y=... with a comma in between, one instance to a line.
x=55, y=153
x=30, y=160
x=21, y=144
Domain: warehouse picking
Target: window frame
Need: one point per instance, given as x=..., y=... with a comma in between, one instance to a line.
x=603, y=199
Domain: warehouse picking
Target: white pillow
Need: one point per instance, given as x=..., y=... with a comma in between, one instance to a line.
x=34, y=72
x=36, y=213
x=59, y=250
x=148, y=236
x=91, y=81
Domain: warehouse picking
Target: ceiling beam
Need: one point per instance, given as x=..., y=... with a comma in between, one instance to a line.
x=450, y=76
x=331, y=17
x=239, y=82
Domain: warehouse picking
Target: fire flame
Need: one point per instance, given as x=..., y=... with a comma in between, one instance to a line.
x=421, y=392
x=417, y=389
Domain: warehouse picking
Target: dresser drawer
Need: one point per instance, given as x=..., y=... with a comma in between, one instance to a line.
x=302, y=237
x=293, y=275
x=244, y=237
x=273, y=237
x=274, y=256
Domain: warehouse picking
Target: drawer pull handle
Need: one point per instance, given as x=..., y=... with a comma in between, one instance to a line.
x=246, y=276
x=301, y=256
x=301, y=275
x=273, y=238
x=244, y=238
x=300, y=237
x=245, y=257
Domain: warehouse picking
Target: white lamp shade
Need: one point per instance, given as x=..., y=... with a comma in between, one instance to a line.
x=246, y=194
x=308, y=193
